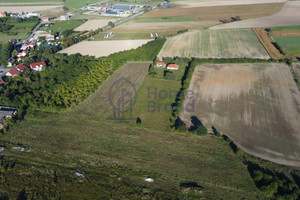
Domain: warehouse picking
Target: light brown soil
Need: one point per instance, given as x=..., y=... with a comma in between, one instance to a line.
x=256, y=105
x=163, y=26
x=265, y=40
x=103, y=48
x=216, y=13
x=288, y=16
x=94, y=24
x=206, y=3
x=285, y=33
x=18, y=9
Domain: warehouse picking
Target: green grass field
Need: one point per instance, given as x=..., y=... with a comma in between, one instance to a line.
x=286, y=28
x=291, y=45
x=83, y=138
x=65, y=25
x=25, y=1
x=18, y=31
x=155, y=109
x=165, y=19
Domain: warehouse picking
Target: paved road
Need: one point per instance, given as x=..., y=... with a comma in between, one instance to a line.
x=33, y=31
x=3, y=71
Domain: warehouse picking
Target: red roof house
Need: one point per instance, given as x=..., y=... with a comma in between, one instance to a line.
x=3, y=14
x=21, y=58
x=12, y=73
x=38, y=66
x=173, y=66
x=21, y=68
x=44, y=19
x=160, y=64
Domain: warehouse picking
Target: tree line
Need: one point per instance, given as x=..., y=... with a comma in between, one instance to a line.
x=68, y=80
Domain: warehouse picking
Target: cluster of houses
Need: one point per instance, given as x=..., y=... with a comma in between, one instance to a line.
x=22, y=15
x=111, y=9
x=35, y=67
x=162, y=65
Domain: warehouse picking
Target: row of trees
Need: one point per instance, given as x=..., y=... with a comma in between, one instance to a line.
x=69, y=79
x=5, y=52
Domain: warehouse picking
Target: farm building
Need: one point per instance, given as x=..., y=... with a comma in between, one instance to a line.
x=160, y=65
x=6, y=113
x=38, y=66
x=64, y=17
x=173, y=67
x=111, y=12
x=122, y=7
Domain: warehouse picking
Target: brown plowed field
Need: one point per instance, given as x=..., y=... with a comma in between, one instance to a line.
x=219, y=12
x=265, y=40
x=256, y=105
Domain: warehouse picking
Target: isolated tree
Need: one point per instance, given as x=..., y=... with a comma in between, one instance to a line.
x=14, y=53
x=111, y=24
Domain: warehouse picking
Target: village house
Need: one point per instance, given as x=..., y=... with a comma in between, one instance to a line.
x=64, y=17
x=3, y=14
x=160, y=65
x=14, y=41
x=13, y=73
x=11, y=62
x=50, y=38
x=173, y=67
x=45, y=19
x=28, y=45
x=38, y=66
x=49, y=24
x=23, y=53
x=21, y=58
x=21, y=68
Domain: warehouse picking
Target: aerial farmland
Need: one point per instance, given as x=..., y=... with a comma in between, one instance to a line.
x=215, y=44
x=155, y=99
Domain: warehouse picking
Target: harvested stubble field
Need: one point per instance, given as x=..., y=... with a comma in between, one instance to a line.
x=18, y=9
x=163, y=26
x=94, y=24
x=256, y=105
x=215, y=44
x=217, y=13
x=206, y=3
x=288, y=16
x=266, y=41
x=103, y=48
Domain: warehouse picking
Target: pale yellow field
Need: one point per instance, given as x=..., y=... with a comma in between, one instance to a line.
x=207, y=3
x=18, y=9
x=288, y=16
x=215, y=44
x=103, y=48
x=94, y=24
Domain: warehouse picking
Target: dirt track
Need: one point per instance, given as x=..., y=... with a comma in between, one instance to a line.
x=103, y=48
x=265, y=40
x=288, y=16
x=256, y=105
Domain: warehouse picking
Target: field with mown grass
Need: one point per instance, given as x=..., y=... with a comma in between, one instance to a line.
x=82, y=136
